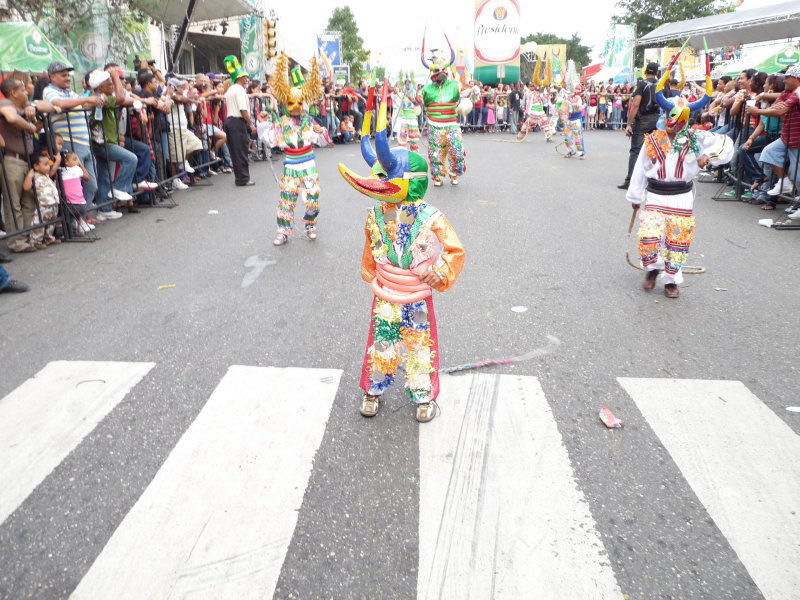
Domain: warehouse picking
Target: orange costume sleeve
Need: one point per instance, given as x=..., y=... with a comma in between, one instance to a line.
x=453, y=254
x=367, y=260
x=447, y=268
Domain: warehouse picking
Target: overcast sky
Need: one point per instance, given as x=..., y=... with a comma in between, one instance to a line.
x=388, y=26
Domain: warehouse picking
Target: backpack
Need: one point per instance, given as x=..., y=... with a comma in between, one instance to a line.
x=650, y=106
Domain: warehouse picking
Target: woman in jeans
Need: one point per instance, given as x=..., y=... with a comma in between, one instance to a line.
x=616, y=109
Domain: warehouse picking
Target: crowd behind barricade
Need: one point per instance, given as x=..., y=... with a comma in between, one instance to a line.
x=72, y=160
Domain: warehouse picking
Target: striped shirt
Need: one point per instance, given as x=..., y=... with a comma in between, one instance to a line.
x=441, y=101
x=72, y=125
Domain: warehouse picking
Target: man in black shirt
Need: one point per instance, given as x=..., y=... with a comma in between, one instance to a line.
x=643, y=115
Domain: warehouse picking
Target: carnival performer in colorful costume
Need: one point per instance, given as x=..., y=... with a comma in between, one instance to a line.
x=572, y=107
x=445, y=145
x=300, y=175
x=535, y=115
x=407, y=124
x=662, y=182
x=410, y=249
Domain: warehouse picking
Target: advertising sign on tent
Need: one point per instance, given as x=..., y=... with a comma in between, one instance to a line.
x=496, y=37
x=27, y=49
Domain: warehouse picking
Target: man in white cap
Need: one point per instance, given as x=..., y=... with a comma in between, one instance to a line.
x=774, y=155
x=107, y=85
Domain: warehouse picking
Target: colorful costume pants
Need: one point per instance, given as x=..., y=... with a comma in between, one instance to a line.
x=446, y=150
x=545, y=123
x=408, y=132
x=402, y=334
x=298, y=178
x=573, y=135
x=665, y=234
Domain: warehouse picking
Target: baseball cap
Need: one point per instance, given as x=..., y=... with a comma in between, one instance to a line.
x=175, y=82
x=57, y=66
x=651, y=68
x=97, y=78
x=793, y=71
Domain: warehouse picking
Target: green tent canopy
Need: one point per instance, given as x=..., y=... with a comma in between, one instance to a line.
x=764, y=59
x=23, y=47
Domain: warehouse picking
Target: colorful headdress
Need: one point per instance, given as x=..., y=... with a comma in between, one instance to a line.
x=300, y=90
x=678, y=109
x=234, y=67
x=437, y=65
x=397, y=173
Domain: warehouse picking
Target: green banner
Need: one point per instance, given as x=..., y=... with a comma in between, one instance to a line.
x=26, y=48
x=251, y=32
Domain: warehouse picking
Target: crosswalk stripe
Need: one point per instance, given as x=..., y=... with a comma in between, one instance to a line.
x=742, y=461
x=217, y=519
x=46, y=417
x=501, y=514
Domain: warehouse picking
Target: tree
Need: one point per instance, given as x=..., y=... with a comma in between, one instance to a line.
x=575, y=49
x=380, y=73
x=353, y=52
x=646, y=15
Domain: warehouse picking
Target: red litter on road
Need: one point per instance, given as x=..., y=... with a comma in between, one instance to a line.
x=609, y=420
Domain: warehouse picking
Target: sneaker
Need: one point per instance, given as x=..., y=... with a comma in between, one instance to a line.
x=212, y=172
x=783, y=185
x=454, y=180
x=792, y=207
x=280, y=239
x=14, y=287
x=426, y=411
x=311, y=232
x=120, y=195
x=369, y=405
x=85, y=227
x=147, y=186
x=227, y=170
x=108, y=215
x=730, y=194
x=795, y=215
x=437, y=182
x=179, y=185
x=187, y=167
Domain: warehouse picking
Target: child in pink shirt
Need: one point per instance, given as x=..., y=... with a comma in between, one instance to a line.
x=72, y=174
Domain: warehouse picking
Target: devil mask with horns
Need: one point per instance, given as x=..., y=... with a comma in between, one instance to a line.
x=397, y=174
x=678, y=109
x=437, y=65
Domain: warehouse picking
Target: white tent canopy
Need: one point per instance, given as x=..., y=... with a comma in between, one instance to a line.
x=777, y=21
x=173, y=12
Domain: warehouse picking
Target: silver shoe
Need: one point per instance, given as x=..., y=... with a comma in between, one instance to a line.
x=311, y=232
x=369, y=405
x=280, y=239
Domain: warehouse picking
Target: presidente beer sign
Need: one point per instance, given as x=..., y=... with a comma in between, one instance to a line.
x=496, y=38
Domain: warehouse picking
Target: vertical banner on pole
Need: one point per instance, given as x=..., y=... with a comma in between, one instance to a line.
x=329, y=44
x=496, y=37
x=619, y=52
x=251, y=33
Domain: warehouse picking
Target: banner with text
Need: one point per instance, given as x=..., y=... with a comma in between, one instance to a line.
x=496, y=37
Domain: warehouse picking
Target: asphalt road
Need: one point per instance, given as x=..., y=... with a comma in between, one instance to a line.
x=541, y=232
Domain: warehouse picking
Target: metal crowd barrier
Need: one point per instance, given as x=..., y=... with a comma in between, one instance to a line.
x=18, y=228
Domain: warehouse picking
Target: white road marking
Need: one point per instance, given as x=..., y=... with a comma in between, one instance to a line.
x=501, y=515
x=46, y=417
x=742, y=461
x=217, y=519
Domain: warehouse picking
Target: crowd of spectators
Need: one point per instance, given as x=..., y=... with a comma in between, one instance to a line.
x=72, y=160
